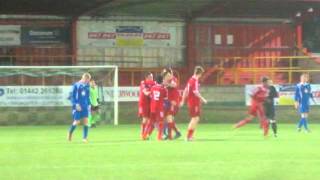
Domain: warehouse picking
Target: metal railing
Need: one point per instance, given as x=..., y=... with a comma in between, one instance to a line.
x=134, y=65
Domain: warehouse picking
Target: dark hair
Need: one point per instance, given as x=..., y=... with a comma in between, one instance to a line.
x=159, y=79
x=265, y=79
x=147, y=74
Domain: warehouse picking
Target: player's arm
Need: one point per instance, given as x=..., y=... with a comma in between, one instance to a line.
x=296, y=97
x=198, y=94
x=145, y=90
x=311, y=96
x=89, y=96
x=172, y=84
x=254, y=92
x=184, y=95
x=75, y=97
x=275, y=93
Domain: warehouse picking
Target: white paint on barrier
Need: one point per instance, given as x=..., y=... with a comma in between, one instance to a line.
x=286, y=94
x=36, y=96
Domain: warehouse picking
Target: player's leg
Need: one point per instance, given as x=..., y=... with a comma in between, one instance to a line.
x=72, y=128
x=271, y=116
x=305, y=121
x=194, y=113
x=85, y=129
x=304, y=111
x=244, y=121
x=301, y=122
x=252, y=113
x=192, y=126
x=173, y=111
x=95, y=115
x=84, y=114
x=165, y=129
x=160, y=121
x=264, y=121
x=144, y=123
x=75, y=122
x=170, y=126
x=144, y=113
x=91, y=119
x=149, y=126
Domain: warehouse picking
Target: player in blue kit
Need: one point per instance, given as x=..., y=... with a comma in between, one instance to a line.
x=302, y=98
x=80, y=99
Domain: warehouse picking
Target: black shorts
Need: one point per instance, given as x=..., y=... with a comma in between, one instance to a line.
x=269, y=110
x=94, y=108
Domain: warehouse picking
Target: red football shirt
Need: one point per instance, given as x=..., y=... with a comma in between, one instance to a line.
x=193, y=87
x=259, y=94
x=145, y=85
x=173, y=93
x=158, y=94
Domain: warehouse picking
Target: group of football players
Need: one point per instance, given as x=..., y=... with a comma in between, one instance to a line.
x=159, y=102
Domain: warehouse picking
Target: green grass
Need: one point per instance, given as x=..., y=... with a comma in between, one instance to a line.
x=218, y=153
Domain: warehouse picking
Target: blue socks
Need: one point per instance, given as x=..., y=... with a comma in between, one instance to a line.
x=72, y=128
x=85, y=131
x=303, y=122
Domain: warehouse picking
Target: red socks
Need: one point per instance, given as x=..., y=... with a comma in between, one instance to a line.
x=160, y=132
x=190, y=134
x=143, y=128
x=148, y=130
x=170, y=127
x=265, y=125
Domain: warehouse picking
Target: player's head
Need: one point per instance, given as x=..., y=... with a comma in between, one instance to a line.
x=86, y=77
x=265, y=81
x=159, y=79
x=168, y=69
x=270, y=82
x=92, y=83
x=198, y=71
x=304, y=78
x=148, y=76
x=166, y=75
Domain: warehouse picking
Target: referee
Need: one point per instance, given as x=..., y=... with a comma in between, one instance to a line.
x=269, y=107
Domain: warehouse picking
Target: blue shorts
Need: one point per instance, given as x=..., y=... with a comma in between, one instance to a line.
x=78, y=115
x=304, y=108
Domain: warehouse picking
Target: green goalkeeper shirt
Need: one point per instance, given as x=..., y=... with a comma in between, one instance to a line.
x=94, y=96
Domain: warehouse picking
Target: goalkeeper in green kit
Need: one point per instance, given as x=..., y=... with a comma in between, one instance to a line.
x=94, y=116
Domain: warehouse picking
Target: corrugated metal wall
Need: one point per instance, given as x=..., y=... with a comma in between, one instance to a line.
x=168, y=51
x=208, y=41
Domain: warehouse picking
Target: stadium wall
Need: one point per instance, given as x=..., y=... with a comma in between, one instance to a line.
x=35, y=41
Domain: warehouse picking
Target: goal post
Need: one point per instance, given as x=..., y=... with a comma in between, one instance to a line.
x=27, y=90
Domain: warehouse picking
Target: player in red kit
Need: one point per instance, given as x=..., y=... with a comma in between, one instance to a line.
x=256, y=109
x=194, y=98
x=174, y=101
x=158, y=94
x=144, y=100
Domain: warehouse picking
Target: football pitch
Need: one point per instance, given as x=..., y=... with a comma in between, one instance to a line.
x=116, y=153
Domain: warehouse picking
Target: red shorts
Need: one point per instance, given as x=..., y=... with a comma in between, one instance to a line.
x=174, y=108
x=194, y=110
x=157, y=116
x=256, y=109
x=144, y=111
